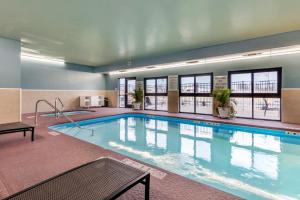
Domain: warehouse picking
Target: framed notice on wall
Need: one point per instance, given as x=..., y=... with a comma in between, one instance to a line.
x=220, y=82
x=140, y=85
x=173, y=83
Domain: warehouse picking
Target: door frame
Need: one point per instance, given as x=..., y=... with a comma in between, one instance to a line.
x=126, y=105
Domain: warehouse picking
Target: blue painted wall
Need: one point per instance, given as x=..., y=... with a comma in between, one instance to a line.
x=17, y=73
x=10, y=71
x=41, y=75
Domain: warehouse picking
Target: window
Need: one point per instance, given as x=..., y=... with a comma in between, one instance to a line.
x=122, y=92
x=195, y=93
x=257, y=93
x=156, y=93
x=126, y=86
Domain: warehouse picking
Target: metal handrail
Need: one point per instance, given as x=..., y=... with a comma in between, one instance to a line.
x=57, y=99
x=59, y=112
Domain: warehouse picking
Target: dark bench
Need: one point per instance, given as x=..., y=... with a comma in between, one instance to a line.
x=102, y=179
x=17, y=127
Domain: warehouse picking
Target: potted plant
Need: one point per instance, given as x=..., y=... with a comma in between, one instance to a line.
x=138, y=96
x=225, y=106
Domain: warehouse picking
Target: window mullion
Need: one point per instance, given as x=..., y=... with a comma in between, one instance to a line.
x=252, y=91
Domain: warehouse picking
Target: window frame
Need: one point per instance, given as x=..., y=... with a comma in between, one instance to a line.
x=195, y=94
x=155, y=94
x=254, y=95
x=126, y=105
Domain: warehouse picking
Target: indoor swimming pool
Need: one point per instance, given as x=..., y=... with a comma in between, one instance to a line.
x=253, y=163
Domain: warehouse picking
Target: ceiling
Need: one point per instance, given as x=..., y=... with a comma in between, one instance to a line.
x=103, y=32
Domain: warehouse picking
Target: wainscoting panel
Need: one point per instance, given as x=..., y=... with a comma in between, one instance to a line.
x=10, y=105
x=70, y=98
x=291, y=105
x=173, y=101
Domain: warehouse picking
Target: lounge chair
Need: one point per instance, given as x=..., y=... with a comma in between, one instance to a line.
x=266, y=107
x=102, y=179
x=17, y=127
x=148, y=101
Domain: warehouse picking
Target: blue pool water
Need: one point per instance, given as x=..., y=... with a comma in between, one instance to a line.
x=252, y=163
x=68, y=113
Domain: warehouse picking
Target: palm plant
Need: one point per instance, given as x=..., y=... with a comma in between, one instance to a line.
x=225, y=106
x=138, y=96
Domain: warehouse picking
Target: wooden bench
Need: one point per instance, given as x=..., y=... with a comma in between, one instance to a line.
x=16, y=127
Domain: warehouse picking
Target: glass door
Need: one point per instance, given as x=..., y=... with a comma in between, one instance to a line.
x=257, y=93
x=156, y=93
x=126, y=86
x=195, y=93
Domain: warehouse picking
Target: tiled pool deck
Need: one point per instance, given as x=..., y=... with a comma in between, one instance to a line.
x=24, y=163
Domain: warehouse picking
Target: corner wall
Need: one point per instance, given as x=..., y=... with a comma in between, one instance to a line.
x=10, y=81
x=42, y=80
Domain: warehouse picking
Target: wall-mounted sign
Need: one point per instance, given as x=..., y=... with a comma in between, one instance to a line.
x=173, y=83
x=140, y=85
x=220, y=82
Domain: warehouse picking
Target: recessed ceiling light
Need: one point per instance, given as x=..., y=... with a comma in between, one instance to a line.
x=252, y=54
x=192, y=61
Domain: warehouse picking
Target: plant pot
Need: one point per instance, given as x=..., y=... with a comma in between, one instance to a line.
x=224, y=112
x=136, y=106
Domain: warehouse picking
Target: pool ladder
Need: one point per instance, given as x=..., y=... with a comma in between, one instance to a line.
x=58, y=112
x=57, y=99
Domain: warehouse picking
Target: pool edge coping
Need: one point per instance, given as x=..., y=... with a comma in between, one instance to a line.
x=297, y=130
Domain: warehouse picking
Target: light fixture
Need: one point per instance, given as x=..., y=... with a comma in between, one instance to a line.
x=285, y=50
x=227, y=58
x=192, y=61
x=41, y=58
x=241, y=56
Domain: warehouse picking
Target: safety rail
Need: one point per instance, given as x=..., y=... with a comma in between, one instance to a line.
x=57, y=99
x=59, y=112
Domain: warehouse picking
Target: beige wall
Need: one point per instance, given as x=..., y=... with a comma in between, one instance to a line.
x=291, y=105
x=173, y=101
x=10, y=105
x=70, y=98
x=112, y=96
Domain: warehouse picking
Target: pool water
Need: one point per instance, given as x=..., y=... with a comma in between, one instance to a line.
x=68, y=113
x=249, y=162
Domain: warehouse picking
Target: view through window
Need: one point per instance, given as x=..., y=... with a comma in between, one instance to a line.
x=126, y=86
x=156, y=93
x=257, y=93
x=196, y=93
